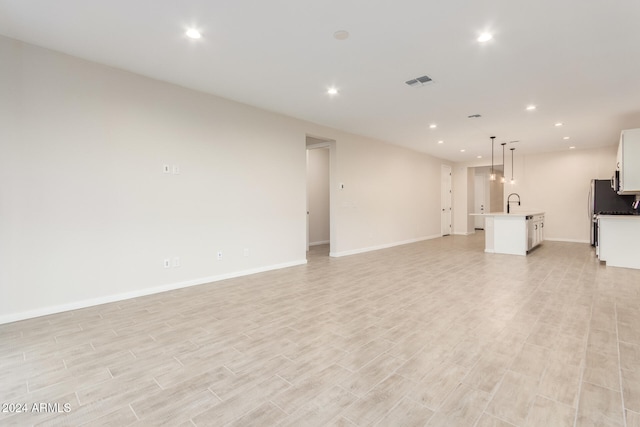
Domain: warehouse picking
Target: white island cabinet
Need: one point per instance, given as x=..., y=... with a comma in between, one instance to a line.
x=618, y=237
x=512, y=233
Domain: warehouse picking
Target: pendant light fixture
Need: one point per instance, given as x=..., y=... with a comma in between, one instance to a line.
x=513, y=181
x=502, y=179
x=492, y=176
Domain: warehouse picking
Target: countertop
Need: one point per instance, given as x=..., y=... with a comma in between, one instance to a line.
x=621, y=217
x=515, y=214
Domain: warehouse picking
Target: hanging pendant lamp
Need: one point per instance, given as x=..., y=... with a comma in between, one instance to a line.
x=492, y=176
x=502, y=179
x=513, y=181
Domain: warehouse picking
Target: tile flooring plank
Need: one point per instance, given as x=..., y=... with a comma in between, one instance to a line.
x=490, y=421
x=561, y=383
x=434, y=387
x=633, y=419
x=547, y=412
x=360, y=382
x=325, y=407
x=379, y=400
x=631, y=389
x=456, y=332
x=463, y=407
x=406, y=413
x=240, y=404
x=629, y=356
x=599, y=406
x=602, y=369
x=123, y=416
x=306, y=390
x=514, y=397
x=266, y=414
x=487, y=373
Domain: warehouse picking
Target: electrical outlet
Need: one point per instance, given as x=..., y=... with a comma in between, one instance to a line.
x=167, y=263
x=219, y=255
x=246, y=251
x=176, y=261
x=176, y=169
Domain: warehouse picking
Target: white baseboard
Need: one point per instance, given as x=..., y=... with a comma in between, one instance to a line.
x=469, y=233
x=323, y=242
x=384, y=246
x=44, y=311
x=558, y=239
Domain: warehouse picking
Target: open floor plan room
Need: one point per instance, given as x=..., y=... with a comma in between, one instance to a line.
x=434, y=333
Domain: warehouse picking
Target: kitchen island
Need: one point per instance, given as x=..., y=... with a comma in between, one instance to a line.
x=512, y=233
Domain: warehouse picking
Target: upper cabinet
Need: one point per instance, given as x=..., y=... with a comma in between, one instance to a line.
x=628, y=162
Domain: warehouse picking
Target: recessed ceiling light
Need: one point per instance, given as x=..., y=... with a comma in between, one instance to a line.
x=192, y=33
x=433, y=126
x=572, y=147
x=440, y=142
x=558, y=124
x=463, y=150
x=332, y=91
x=531, y=107
x=566, y=137
x=479, y=157
x=341, y=35
x=485, y=37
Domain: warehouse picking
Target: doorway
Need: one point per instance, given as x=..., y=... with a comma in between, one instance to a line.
x=318, y=239
x=480, y=199
x=487, y=194
x=445, y=200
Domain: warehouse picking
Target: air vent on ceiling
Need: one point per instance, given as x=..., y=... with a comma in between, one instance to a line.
x=419, y=81
x=474, y=116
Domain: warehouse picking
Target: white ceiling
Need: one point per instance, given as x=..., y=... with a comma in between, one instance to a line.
x=577, y=60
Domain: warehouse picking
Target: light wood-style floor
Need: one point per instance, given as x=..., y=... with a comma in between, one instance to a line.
x=435, y=333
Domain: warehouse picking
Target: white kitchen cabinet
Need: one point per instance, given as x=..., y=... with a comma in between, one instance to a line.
x=535, y=230
x=618, y=237
x=628, y=162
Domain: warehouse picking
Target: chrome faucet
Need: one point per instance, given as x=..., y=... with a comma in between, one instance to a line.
x=509, y=200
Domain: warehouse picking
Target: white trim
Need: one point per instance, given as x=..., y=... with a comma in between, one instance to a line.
x=554, y=239
x=322, y=242
x=326, y=144
x=465, y=234
x=385, y=246
x=14, y=317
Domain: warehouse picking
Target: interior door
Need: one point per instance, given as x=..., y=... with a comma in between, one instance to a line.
x=445, y=200
x=479, y=200
x=307, y=200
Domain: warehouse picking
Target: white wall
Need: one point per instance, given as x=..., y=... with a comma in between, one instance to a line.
x=556, y=183
x=391, y=195
x=88, y=216
x=318, y=195
x=463, y=199
x=88, y=212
